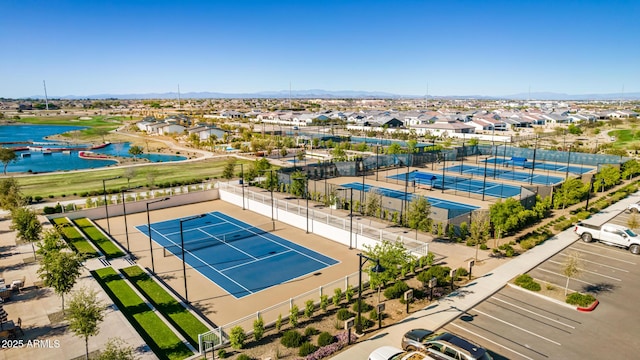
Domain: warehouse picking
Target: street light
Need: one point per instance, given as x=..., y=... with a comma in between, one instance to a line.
x=350, y=217
x=184, y=266
x=271, y=185
x=153, y=269
x=242, y=183
x=126, y=229
x=104, y=192
x=376, y=269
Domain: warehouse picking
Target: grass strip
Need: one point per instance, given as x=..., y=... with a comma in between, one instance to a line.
x=108, y=248
x=181, y=318
x=74, y=239
x=160, y=338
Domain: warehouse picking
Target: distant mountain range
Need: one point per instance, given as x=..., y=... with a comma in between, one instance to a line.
x=347, y=94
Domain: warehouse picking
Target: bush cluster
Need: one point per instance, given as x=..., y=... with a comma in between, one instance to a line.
x=580, y=299
x=325, y=339
x=344, y=314
x=527, y=282
x=292, y=339
x=396, y=290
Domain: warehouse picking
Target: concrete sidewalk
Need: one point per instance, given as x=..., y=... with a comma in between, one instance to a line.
x=465, y=298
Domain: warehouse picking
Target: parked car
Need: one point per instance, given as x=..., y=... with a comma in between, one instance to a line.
x=610, y=234
x=393, y=353
x=635, y=208
x=443, y=345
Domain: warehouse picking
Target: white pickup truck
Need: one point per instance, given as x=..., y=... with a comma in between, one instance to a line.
x=610, y=234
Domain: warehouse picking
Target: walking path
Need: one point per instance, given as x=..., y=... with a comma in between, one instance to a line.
x=465, y=298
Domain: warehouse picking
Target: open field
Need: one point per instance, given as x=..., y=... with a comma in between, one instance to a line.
x=70, y=183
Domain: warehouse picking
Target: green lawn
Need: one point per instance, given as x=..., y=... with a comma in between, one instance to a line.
x=164, y=343
x=108, y=248
x=74, y=239
x=178, y=315
x=76, y=183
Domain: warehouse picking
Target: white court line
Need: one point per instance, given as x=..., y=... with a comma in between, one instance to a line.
x=275, y=242
x=604, y=256
x=600, y=264
x=587, y=271
x=519, y=328
x=491, y=341
x=226, y=243
x=205, y=263
x=256, y=260
x=555, y=273
x=534, y=313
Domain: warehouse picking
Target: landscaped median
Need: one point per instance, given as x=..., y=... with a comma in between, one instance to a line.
x=181, y=318
x=108, y=248
x=160, y=338
x=579, y=301
x=75, y=239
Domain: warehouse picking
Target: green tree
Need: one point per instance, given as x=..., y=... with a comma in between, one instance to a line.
x=394, y=148
x=392, y=256
x=10, y=194
x=25, y=222
x=51, y=244
x=136, y=150
x=84, y=315
x=258, y=328
x=298, y=183
x=129, y=173
x=7, y=156
x=229, y=169
x=60, y=271
x=503, y=214
x=630, y=169
x=608, y=176
x=418, y=214
x=571, y=268
x=574, y=129
x=571, y=192
x=479, y=232
x=373, y=203
x=117, y=349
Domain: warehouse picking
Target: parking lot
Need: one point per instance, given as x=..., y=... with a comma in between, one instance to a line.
x=516, y=324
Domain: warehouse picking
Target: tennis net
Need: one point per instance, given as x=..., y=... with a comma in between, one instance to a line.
x=209, y=240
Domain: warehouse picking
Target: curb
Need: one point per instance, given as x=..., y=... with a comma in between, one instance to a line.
x=588, y=308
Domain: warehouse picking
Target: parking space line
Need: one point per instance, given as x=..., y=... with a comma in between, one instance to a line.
x=517, y=327
x=533, y=312
x=491, y=341
x=600, y=264
x=604, y=256
x=555, y=273
x=587, y=271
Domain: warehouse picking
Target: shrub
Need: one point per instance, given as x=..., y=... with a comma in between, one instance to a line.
x=373, y=314
x=244, y=357
x=237, y=337
x=580, y=299
x=306, y=349
x=293, y=316
x=396, y=290
x=325, y=339
x=439, y=272
x=364, y=307
x=344, y=314
x=292, y=339
x=222, y=354
x=309, y=308
x=310, y=331
x=279, y=322
x=337, y=296
x=258, y=328
x=527, y=282
x=324, y=302
x=348, y=294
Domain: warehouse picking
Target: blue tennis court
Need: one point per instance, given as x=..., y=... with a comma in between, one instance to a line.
x=240, y=258
x=540, y=165
x=443, y=204
x=505, y=174
x=460, y=184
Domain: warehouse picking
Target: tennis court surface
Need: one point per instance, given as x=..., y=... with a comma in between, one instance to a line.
x=505, y=174
x=459, y=183
x=240, y=258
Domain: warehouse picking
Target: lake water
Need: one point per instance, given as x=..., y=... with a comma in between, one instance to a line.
x=37, y=162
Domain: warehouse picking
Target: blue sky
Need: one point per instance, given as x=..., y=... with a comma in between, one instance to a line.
x=476, y=47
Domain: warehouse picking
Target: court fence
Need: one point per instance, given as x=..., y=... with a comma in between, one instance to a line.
x=329, y=226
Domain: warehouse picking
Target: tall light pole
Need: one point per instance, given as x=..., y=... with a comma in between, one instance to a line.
x=568, y=162
x=126, y=228
x=106, y=208
x=376, y=269
x=306, y=194
x=242, y=183
x=184, y=266
x=153, y=269
x=350, y=217
x=271, y=185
